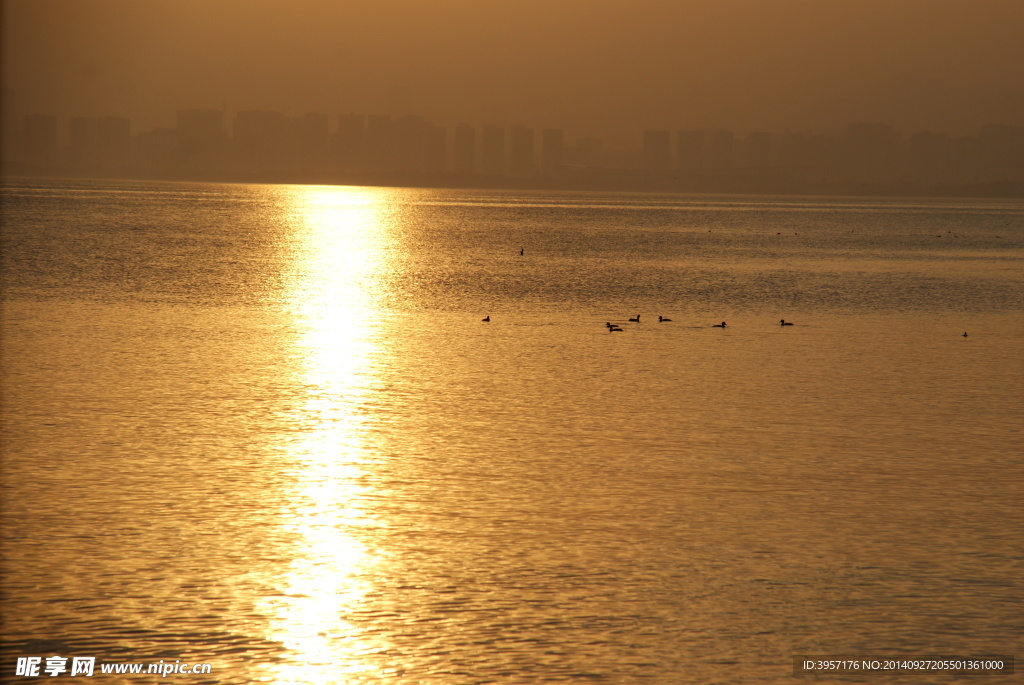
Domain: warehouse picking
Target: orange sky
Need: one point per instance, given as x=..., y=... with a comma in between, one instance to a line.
x=606, y=67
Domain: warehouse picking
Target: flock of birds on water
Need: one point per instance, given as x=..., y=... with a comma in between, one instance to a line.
x=615, y=328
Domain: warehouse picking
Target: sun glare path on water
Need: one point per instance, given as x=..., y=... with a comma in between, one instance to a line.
x=339, y=237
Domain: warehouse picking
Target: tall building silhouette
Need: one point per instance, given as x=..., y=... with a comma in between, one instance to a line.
x=464, y=149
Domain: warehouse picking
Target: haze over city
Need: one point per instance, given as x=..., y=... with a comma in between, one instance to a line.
x=602, y=68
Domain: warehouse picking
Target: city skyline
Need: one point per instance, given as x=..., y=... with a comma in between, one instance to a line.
x=378, y=148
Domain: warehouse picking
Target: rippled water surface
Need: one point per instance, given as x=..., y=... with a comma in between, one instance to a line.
x=264, y=427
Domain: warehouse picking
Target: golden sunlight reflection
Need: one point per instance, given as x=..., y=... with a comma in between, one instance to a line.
x=339, y=237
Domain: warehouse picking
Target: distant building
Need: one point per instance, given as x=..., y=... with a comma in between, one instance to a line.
x=114, y=143
x=493, y=150
x=807, y=158
x=380, y=143
x=312, y=143
x=657, y=151
x=201, y=141
x=757, y=150
x=1001, y=152
x=552, y=150
x=464, y=149
x=260, y=141
x=82, y=151
x=10, y=130
x=522, y=157
x=204, y=125
x=40, y=143
x=931, y=156
x=435, y=148
x=409, y=144
x=872, y=153
x=155, y=151
x=691, y=151
x=966, y=160
x=720, y=150
x=351, y=142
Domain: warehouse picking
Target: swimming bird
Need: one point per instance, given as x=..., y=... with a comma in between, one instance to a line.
x=614, y=329
x=521, y=251
x=718, y=325
x=662, y=319
x=486, y=318
x=965, y=334
x=636, y=320
x=783, y=322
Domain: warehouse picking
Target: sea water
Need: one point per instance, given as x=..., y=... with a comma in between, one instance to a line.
x=266, y=428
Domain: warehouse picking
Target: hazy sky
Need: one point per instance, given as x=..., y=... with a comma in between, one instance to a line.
x=591, y=66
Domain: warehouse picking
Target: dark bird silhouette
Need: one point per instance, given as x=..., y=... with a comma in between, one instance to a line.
x=718, y=325
x=521, y=251
x=614, y=329
x=486, y=318
x=783, y=322
x=965, y=334
x=636, y=320
x=662, y=319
